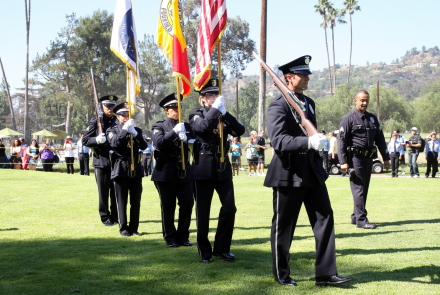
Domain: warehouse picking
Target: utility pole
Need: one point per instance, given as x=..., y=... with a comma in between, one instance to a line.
x=236, y=97
x=27, y=133
x=262, y=93
x=378, y=102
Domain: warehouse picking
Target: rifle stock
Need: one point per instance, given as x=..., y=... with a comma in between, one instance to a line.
x=305, y=124
x=98, y=109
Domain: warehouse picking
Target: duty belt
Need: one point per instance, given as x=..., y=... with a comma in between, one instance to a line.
x=357, y=151
x=210, y=147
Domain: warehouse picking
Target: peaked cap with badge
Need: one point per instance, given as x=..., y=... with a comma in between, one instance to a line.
x=170, y=101
x=210, y=87
x=108, y=99
x=297, y=66
x=121, y=109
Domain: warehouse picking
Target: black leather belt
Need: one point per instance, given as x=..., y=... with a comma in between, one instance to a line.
x=209, y=147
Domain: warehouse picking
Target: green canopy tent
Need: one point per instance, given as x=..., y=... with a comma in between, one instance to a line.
x=45, y=133
x=9, y=132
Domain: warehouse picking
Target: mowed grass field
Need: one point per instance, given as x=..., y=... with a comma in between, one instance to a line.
x=52, y=242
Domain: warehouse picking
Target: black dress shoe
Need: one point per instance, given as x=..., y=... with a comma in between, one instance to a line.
x=138, y=234
x=187, y=243
x=125, y=233
x=173, y=245
x=331, y=280
x=353, y=221
x=368, y=226
x=287, y=282
x=225, y=256
x=108, y=222
x=207, y=260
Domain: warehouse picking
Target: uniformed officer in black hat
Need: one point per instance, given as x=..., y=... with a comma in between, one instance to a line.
x=204, y=122
x=297, y=176
x=124, y=179
x=359, y=131
x=98, y=142
x=170, y=181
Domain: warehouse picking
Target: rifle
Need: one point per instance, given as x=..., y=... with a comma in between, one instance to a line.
x=98, y=109
x=306, y=125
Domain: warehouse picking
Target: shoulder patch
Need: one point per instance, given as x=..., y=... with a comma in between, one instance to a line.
x=195, y=117
x=110, y=135
x=155, y=131
x=311, y=109
x=372, y=120
x=88, y=127
x=341, y=129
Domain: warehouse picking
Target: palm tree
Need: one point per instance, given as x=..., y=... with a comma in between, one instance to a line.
x=334, y=17
x=350, y=6
x=322, y=9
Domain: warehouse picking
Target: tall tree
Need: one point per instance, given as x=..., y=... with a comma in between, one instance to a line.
x=8, y=94
x=248, y=104
x=322, y=8
x=350, y=6
x=334, y=17
x=27, y=134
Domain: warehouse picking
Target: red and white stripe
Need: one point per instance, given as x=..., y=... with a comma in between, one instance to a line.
x=213, y=20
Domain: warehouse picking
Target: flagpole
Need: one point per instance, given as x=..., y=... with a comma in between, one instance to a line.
x=129, y=96
x=182, y=146
x=220, y=122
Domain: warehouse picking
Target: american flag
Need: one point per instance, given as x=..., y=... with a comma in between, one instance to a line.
x=211, y=28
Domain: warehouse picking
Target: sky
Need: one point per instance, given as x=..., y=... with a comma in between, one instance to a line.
x=382, y=31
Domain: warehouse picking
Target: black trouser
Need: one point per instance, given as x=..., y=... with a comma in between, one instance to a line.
x=47, y=165
x=69, y=164
x=359, y=183
x=168, y=192
x=122, y=186
x=146, y=163
x=287, y=203
x=203, y=192
x=432, y=162
x=394, y=157
x=83, y=163
x=324, y=157
x=105, y=191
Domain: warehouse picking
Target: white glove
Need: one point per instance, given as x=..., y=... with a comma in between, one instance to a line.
x=180, y=127
x=222, y=109
x=182, y=136
x=132, y=131
x=219, y=103
x=317, y=141
x=128, y=124
x=100, y=139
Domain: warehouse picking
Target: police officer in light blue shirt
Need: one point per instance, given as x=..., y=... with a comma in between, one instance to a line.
x=83, y=156
x=147, y=156
x=402, y=140
x=397, y=151
x=432, y=152
x=324, y=153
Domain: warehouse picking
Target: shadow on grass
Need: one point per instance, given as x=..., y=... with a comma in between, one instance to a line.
x=8, y=229
x=409, y=222
x=407, y=274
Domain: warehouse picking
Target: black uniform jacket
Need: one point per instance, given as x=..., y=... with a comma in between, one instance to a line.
x=119, y=140
x=353, y=133
x=287, y=138
x=100, y=150
x=204, y=123
x=167, y=142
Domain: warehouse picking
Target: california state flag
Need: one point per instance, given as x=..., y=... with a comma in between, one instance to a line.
x=173, y=43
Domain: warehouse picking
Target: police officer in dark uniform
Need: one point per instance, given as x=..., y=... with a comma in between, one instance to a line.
x=208, y=175
x=124, y=179
x=98, y=142
x=297, y=176
x=171, y=181
x=359, y=131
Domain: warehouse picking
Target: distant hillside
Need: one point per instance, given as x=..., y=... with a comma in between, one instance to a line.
x=407, y=75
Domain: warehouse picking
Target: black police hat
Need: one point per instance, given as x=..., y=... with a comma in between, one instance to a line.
x=108, y=99
x=169, y=101
x=297, y=66
x=210, y=87
x=121, y=109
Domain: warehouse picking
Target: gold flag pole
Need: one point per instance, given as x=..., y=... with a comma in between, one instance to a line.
x=130, y=96
x=182, y=173
x=220, y=122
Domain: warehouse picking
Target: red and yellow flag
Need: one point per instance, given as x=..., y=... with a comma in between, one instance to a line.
x=173, y=43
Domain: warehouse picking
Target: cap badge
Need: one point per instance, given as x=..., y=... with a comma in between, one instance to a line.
x=214, y=83
x=307, y=60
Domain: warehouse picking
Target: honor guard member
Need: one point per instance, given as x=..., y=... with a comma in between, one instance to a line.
x=171, y=182
x=124, y=179
x=359, y=131
x=297, y=176
x=98, y=143
x=83, y=156
x=206, y=174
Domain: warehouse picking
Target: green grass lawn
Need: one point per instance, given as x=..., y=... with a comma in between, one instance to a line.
x=52, y=242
